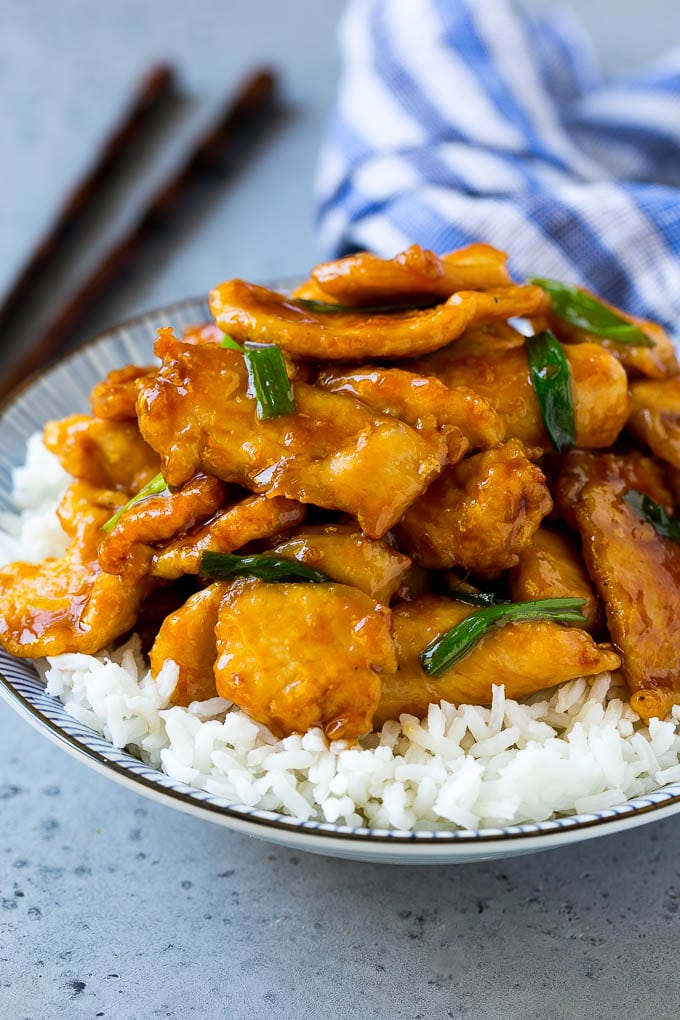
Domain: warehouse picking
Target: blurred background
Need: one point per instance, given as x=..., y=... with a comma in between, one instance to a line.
x=68, y=69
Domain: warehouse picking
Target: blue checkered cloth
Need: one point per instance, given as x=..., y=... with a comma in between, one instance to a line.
x=469, y=120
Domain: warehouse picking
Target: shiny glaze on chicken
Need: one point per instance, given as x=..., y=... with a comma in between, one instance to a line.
x=415, y=469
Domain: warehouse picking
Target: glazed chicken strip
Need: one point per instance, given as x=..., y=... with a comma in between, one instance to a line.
x=187, y=636
x=366, y=279
x=294, y=656
x=421, y=402
x=254, y=518
x=551, y=567
x=203, y=333
x=480, y=514
x=128, y=548
x=248, y=312
x=496, y=367
x=636, y=471
x=657, y=362
x=115, y=396
x=69, y=604
x=335, y=452
x=525, y=657
x=635, y=570
x=107, y=454
x=655, y=417
x=346, y=555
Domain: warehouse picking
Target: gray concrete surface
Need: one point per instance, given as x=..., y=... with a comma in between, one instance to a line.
x=113, y=907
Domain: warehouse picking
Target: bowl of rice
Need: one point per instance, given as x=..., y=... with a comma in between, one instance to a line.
x=464, y=783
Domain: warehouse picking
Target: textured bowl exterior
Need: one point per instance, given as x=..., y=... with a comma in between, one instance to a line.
x=63, y=389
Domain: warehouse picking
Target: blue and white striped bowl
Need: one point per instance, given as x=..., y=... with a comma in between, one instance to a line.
x=64, y=390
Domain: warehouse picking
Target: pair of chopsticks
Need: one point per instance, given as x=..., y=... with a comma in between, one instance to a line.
x=217, y=151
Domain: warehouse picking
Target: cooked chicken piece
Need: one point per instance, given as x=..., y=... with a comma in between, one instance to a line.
x=296, y=656
x=203, y=333
x=84, y=508
x=253, y=518
x=248, y=312
x=635, y=570
x=68, y=604
x=187, y=636
x=496, y=367
x=552, y=568
x=479, y=514
x=525, y=657
x=421, y=402
x=210, y=333
x=335, y=452
x=346, y=555
x=655, y=417
x=107, y=454
x=128, y=548
x=415, y=274
x=657, y=362
x=637, y=471
x=311, y=291
x=115, y=396
x=481, y=339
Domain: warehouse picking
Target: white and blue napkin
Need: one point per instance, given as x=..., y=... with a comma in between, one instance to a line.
x=469, y=120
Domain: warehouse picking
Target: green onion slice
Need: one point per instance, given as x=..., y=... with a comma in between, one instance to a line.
x=226, y=566
x=448, y=649
x=230, y=343
x=327, y=308
x=268, y=379
x=584, y=311
x=654, y=514
x=155, y=487
x=551, y=379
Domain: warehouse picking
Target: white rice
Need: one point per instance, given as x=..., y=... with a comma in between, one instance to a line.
x=575, y=748
x=34, y=532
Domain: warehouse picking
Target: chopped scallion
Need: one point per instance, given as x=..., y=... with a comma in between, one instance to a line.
x=551, y=379
x=269, y=381
x=153, y=488
x=227, y=566
x=230, y=343
x=452, y=646
x=584, y=311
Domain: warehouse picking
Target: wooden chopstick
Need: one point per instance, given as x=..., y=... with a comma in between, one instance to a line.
x=252, y=106
x=150, y=96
